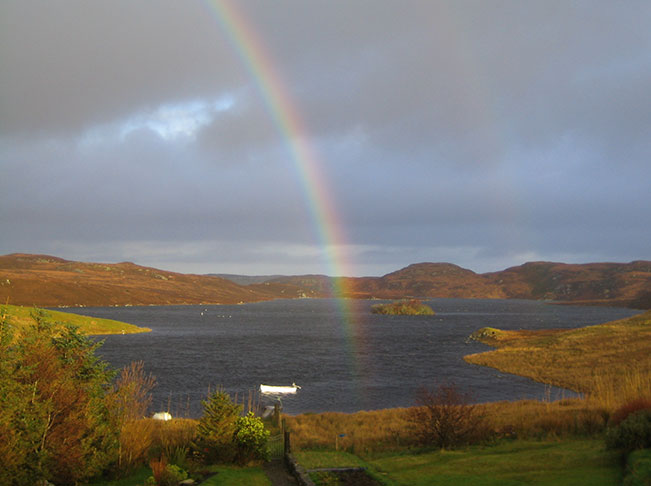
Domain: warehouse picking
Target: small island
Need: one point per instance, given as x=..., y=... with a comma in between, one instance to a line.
x=408, y=307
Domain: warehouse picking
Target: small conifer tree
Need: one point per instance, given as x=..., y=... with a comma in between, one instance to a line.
x=217, y=427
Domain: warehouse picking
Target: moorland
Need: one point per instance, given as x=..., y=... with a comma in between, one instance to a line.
x=49, y=281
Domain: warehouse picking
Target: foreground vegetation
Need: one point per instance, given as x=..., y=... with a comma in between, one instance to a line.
x=65, y=417
x=569, y=462
x=21, y=317
x=59, y=415
x=551, y=462
x=525, y=442
x=392, y=430
x=408, y=307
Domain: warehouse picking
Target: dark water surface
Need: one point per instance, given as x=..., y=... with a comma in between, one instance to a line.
x=376, y=362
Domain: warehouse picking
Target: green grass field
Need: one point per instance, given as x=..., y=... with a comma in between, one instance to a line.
x=224, y=476
x=238, y=476
x=573, y=462
x=136, y=479
x=20, y=316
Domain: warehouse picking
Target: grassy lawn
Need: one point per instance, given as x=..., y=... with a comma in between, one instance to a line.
x=237, y=476
x=225, y=476
x=573, y=462
x=22, y=316
x=319, y=459
x=335, y=459
x=136, y=479
x=569, y=462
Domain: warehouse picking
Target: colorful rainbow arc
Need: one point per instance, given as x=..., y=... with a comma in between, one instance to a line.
x=286, y=117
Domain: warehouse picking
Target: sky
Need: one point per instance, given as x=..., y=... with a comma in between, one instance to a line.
x=326, y=136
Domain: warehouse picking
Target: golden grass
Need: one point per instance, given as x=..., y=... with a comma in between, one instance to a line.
x=362, y=431
x=146, y=438
x=610, y=363
x=389, y=430
x=20, y=316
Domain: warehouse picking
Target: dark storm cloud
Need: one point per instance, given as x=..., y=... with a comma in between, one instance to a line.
x=482, y=133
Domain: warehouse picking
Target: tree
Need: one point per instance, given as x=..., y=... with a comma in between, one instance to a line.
x=54, y=419
x=444, y=417
x=217, y=428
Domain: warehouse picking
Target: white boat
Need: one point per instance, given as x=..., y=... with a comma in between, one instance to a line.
x=276, y=390
x=164, y=416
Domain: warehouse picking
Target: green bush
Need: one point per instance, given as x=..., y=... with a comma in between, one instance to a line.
x=170, y=475
x=634, y=432
x=173, y=475
x=250, y=438
x=216, y=429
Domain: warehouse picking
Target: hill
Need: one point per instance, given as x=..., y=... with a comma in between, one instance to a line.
x=245, y=279
x=434, y=280
x=615, y=284
x=591, y=283
x=50, y=281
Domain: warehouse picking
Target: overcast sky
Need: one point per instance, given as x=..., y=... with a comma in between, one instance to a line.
x=482, y=133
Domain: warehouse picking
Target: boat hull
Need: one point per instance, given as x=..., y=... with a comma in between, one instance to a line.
x=277, y=390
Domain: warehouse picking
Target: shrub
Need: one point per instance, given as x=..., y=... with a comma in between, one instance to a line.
x=628, y=408
x=136, y=439
x=131, y=396
x=158, y=469
x=129, y=402
x=250, y=438
x=445, y=418
x=634, y=432
x=165, y=474
x=216, y=428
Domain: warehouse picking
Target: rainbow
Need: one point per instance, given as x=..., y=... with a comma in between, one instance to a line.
x=285, y=115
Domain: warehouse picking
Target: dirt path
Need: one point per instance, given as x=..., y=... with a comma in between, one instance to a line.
x=278, y=474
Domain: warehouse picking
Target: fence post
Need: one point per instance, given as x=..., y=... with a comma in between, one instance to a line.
x=287, y=442
x=276, y=419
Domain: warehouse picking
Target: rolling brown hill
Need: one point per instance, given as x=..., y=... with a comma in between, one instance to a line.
x=591, y=283
x=620, y=284
x=50, y=281
x=436, y=280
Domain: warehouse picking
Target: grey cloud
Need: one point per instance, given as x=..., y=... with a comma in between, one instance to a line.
x=478, y=131
x=70, y=64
